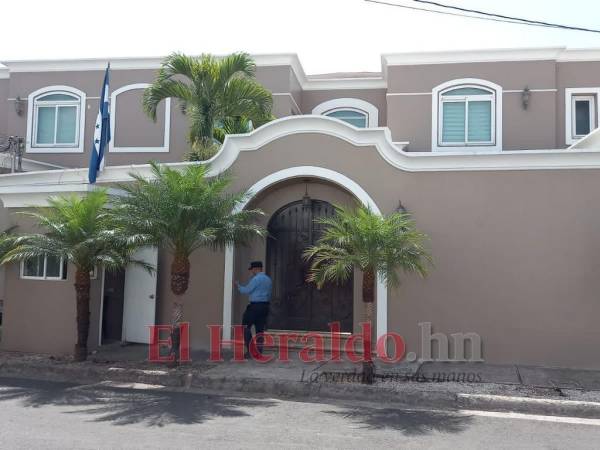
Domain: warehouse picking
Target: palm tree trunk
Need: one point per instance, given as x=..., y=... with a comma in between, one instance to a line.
x=368, y=295
x=180, y=278
x=82, y=293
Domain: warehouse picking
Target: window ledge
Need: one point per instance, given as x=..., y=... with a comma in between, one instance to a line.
x=30, y=149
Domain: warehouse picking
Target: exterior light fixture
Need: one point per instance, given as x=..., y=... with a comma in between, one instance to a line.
x=19, y=103
x=525, y=97
x=401, y=208
x=306, y=200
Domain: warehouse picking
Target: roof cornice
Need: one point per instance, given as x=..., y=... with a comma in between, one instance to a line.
x=560, y=54
x=154, y=62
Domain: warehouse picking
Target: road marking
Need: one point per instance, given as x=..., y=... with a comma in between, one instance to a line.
x=512, y=399
x=522, y=416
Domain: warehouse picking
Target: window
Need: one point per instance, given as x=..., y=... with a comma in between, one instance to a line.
x=467, y=116
x=55, y=120
x=357, y=118
x=355, y=111
x=582, y=115
x=44, y=268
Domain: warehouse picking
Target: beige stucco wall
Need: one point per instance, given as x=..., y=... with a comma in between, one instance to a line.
x=516, y=257
x=514, y=251
x=39, y=316
x=409, y=117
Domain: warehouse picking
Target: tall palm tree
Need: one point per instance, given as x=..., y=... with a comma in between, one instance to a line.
x=377, y=245
x=184, y=211
x=216, y=95
x=80, y=230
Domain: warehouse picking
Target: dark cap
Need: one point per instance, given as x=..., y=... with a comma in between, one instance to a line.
x=255, y=265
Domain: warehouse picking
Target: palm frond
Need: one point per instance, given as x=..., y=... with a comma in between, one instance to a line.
x=359, y=238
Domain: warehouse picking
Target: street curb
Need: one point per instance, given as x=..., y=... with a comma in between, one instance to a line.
x=411, y=399
x=87, y=373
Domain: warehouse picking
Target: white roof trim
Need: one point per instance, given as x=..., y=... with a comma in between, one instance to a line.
x=32, y=188
x=154, y=63
x=560, y=54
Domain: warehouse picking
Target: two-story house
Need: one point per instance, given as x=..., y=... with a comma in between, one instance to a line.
x=489, y=150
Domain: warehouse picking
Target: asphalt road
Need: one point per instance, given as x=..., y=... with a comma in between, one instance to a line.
x=35, y=415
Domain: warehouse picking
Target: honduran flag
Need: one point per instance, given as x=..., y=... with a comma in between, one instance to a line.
x=101, y=131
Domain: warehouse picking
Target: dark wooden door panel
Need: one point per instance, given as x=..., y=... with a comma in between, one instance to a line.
x=297, y=304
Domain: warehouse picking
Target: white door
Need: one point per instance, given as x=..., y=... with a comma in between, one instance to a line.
x=140, y=298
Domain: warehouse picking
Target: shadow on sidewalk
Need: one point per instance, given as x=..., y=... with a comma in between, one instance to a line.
x=409, y=422
x=120, y=406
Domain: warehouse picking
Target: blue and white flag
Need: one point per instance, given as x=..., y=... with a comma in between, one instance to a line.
x=101, y=132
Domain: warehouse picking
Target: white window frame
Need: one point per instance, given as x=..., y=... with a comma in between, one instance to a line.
x=353, y=104
x=572, y=95
x=44, y=277
x=495, y=144
x=31, y=146
x=113, y=124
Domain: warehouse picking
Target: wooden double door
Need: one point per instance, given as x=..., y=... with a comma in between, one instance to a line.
x=296, y=303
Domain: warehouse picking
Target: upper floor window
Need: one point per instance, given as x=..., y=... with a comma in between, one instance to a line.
x=357, y=118
x=55, y=120
x=354, y=111
x=581, y=113
x=465, y=116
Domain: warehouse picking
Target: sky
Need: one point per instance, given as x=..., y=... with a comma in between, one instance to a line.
x=328, y=35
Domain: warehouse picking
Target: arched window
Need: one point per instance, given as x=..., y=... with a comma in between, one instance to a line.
x=354, y=111
x=55, y=120
x=354, y=117
x=468, y=114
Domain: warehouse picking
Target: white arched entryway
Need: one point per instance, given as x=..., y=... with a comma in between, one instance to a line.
x=302, y=172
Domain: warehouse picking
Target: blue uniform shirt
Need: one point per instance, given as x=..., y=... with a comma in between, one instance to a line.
x=259, y=288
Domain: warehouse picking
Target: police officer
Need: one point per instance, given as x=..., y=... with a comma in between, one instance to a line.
x=259, y=290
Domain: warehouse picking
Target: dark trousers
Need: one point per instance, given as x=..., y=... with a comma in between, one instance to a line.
x=256, y=314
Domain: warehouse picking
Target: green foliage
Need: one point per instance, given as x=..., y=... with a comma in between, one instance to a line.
x=7, y=241
x=80, y=229
x=218, y=95
x=202, y=151
x=359, y=238
x=185, y=210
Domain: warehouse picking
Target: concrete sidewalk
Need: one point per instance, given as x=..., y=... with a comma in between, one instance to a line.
x=432, y=384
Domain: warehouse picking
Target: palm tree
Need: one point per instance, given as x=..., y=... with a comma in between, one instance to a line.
x=184, y=211
x=80, y=230
x=377, y=245
x=216, y=94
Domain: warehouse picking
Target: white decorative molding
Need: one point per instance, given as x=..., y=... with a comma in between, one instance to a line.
x=496, y=115
x=301, y=172
x=505, y=91
x=154, y=63
x=569, y=93
x=29, y=148
x=350, y=103
x=32, y=188
x=589, y=142
x=113, y=123
x=291, y=97
x=487, y=55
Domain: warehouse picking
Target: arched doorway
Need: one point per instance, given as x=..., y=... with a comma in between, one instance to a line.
x=296, y=304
